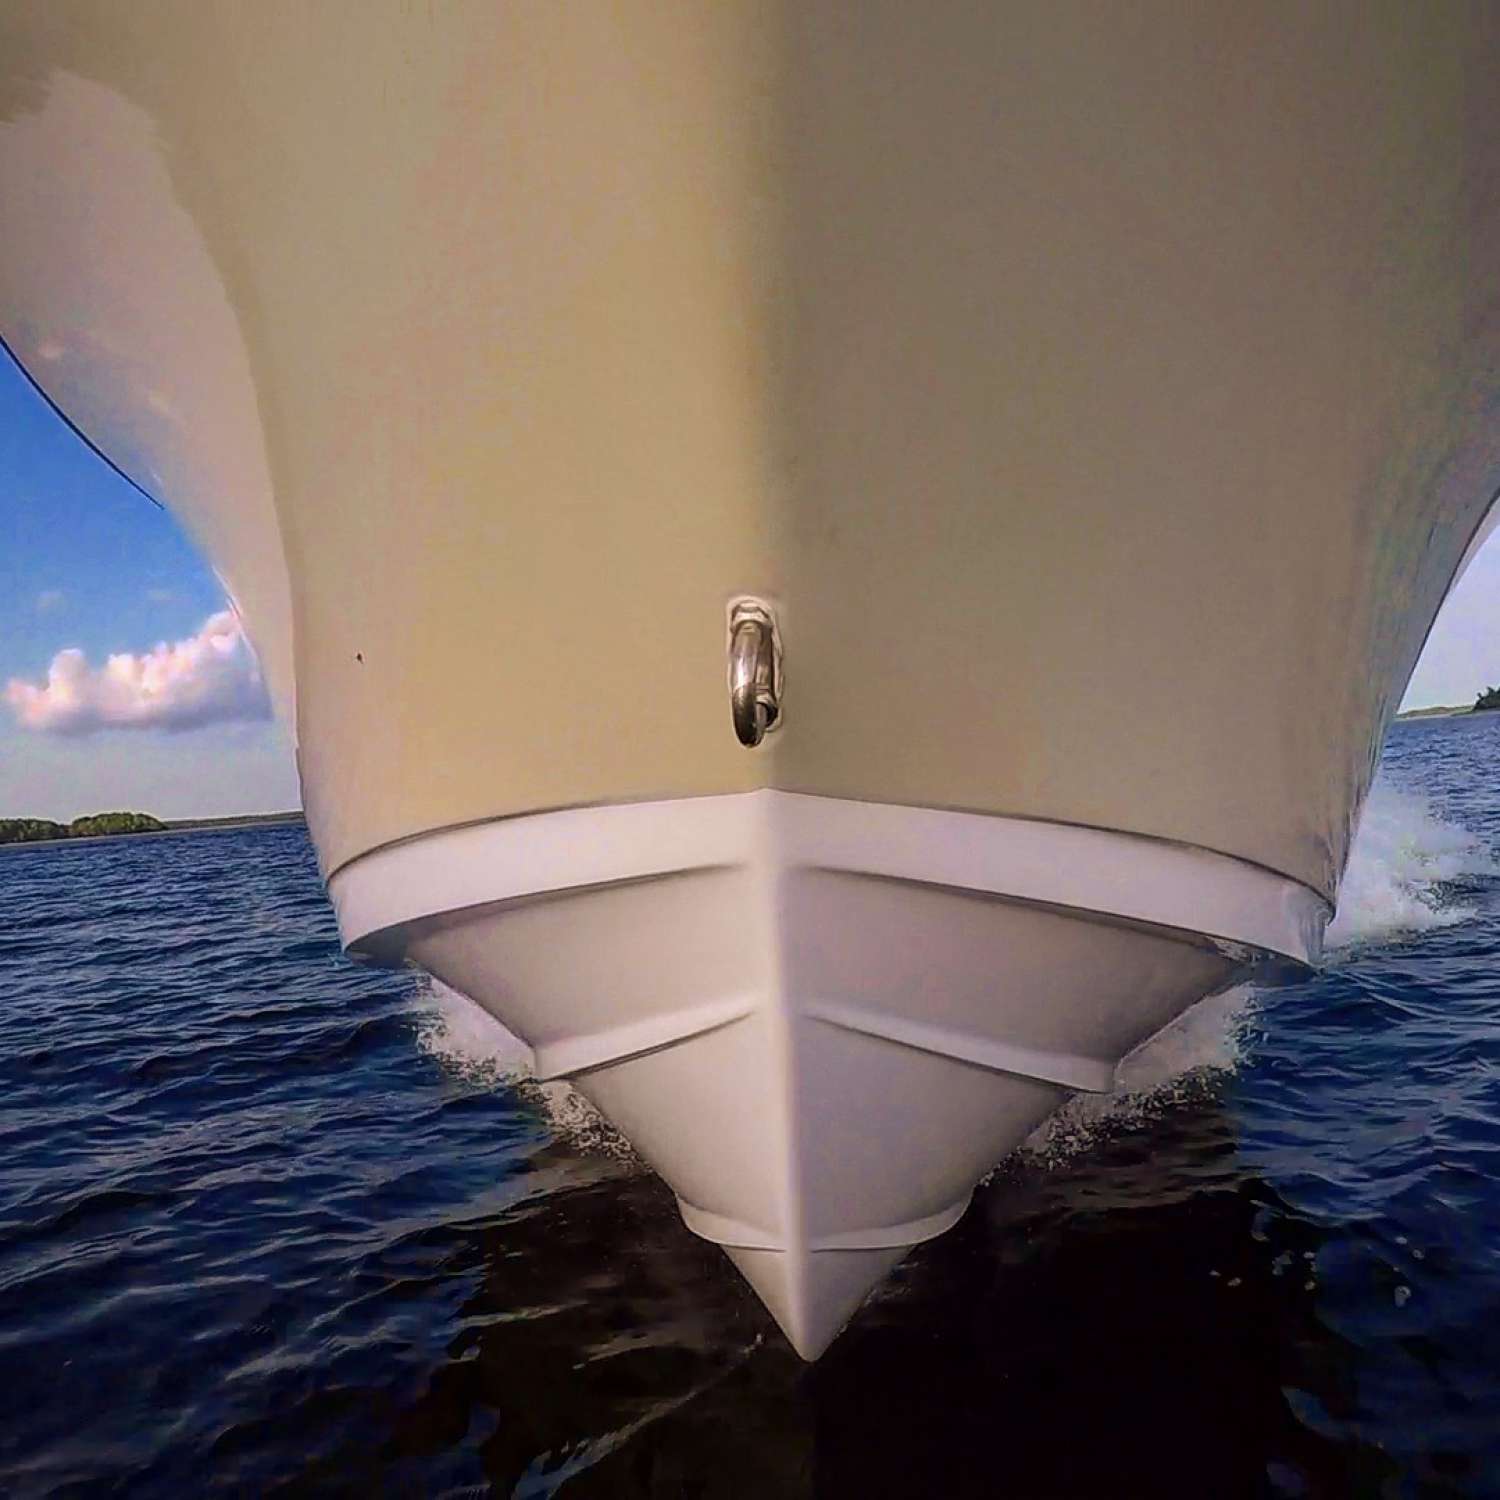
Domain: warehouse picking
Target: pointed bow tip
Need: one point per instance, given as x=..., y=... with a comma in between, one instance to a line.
x=813, y=1294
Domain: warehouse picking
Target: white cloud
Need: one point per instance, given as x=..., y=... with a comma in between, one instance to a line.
x=48, y=599
x=209, y=678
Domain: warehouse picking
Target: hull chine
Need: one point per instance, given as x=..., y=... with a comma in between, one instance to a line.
x=820, y=1022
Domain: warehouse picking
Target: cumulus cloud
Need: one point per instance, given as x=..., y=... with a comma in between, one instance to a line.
x=209, y=678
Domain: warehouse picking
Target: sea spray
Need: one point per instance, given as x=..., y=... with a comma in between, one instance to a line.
x=1179, y=1062
x=466, y=1039
x=1405, y=867
x=474, y=1048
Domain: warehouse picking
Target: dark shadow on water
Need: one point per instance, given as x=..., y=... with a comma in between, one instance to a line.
x=1137, y=1320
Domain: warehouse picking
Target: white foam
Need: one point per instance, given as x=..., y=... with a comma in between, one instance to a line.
x=1182, y=1058
x=466, y=1039
x=472, y=1046
x=1403, y=857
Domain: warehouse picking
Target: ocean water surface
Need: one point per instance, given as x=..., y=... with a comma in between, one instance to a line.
x=272, y=1223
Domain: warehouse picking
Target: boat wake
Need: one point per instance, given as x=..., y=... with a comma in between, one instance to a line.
x=472, y=1047
x=466, y=1039
x=1403, y=869
x=1405, y=875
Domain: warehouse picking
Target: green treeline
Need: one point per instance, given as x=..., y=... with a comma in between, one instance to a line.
x=1487, y=700
x=36, y=830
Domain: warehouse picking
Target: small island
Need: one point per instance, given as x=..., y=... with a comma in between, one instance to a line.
x=1487, y=702
x=113, y=824
x=95, y=825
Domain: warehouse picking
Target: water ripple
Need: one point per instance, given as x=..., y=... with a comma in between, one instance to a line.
x=273, y=1223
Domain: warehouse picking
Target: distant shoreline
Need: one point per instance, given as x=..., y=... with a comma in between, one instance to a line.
x=173, y=825
x=1447, y=711
x=234, y=820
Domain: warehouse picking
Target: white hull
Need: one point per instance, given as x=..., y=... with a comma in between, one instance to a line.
x=820, y=1021
x=1099, y=398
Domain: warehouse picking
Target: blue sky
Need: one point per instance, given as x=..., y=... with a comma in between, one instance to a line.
x=88, y=566
x=86, y=562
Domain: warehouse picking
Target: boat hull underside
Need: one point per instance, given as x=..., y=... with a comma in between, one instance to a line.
x=821, y=1022
x=1101, y=398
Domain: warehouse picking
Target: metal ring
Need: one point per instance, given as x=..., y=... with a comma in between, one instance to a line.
x=752, y=677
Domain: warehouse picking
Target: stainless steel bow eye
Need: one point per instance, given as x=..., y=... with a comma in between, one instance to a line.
x=754, y=671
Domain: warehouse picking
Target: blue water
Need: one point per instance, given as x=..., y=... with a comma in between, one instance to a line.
x=273, y=1223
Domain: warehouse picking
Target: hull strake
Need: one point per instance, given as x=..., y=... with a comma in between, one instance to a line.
x=1103, y=397
x=820, y=1021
